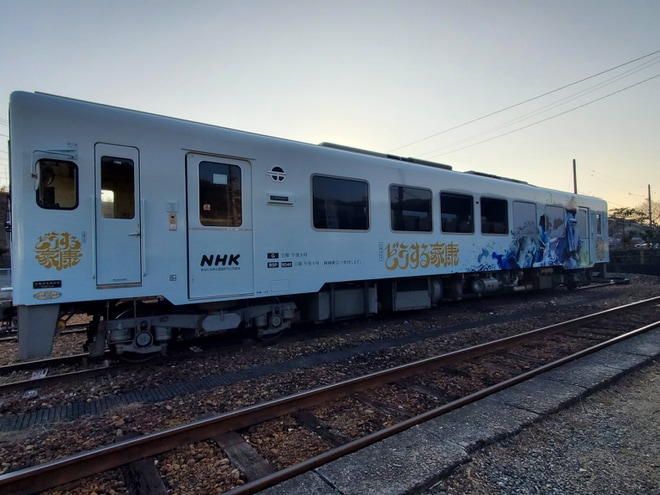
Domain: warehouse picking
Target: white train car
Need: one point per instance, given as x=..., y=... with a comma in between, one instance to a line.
x=163, y=229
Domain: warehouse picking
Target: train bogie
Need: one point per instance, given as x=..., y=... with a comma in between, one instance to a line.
x=113, y=209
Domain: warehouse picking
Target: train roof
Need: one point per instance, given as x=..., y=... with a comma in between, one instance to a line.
x=329, y=145
x=419, y=161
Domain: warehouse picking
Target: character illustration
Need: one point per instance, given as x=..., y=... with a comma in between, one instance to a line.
x=556, y=243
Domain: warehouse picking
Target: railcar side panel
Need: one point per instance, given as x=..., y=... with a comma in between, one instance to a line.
x=229, y=228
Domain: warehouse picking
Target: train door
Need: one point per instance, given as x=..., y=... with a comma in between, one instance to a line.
x=584, y=231
x=118, y=228
x=220, y=243
x=582, y=220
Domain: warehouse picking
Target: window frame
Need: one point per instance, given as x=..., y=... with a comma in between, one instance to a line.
x=230, y=206
x=553, y=229
x=46, y=179
x=462, y=217
x=493, y=221
x=582, y=223
x=398, y=217
x=344, y=213
x=125, y=201
x=528, y=227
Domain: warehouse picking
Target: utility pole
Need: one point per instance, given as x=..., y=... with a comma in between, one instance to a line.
x=575, y=177
x=650, y=216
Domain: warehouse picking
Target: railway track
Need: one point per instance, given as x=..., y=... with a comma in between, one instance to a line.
x=10, y=333
x=481, y=370
x=46, y=372
x=50, y=371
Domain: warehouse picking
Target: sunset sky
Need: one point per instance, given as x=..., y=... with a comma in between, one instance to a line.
x=513, y=88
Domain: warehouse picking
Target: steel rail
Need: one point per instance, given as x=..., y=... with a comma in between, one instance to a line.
x=74, y=375
x=58, y=472
x=348, y=448
x=42, y=363
x=68, y=330
x=58, y=378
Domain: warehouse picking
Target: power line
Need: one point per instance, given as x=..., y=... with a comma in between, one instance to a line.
x=549, y=118
x=550, y=106
x=584, y=92
x=525, y=101
x=615, y=183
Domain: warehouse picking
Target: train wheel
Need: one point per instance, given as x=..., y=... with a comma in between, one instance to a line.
x=141, y=339
x=276, y=328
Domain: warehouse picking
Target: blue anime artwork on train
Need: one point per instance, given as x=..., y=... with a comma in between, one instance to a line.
x=553, y=240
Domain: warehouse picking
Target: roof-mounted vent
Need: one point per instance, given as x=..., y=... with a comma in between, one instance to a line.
x=408, y=159
x=493, y=176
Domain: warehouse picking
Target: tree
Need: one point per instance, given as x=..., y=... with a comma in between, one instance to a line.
x=631, y=225
x=650, y=232
x=643, y=210
x=620, y=218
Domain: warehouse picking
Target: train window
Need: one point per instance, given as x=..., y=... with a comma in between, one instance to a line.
x=341, y=204
x=456, y=213
x=599, y=224
x=554, y=221
x=494, y=216
x=58, y=185
x=524, y=219
x=220, y=196
x=117, y=187
x=410, y=209
x=582, y=223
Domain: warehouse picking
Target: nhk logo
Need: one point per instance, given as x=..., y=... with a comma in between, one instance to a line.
x=217, y=262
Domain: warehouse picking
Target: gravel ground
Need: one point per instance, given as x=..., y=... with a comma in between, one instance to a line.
x=607, y=444
x=18, y=449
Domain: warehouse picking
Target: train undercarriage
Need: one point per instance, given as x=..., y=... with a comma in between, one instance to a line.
x=144, y=328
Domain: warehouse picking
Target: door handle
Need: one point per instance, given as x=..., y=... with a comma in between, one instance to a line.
x=134, y=234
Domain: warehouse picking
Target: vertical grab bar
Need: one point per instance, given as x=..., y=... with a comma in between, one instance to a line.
x=92, y=239
x=143, y=231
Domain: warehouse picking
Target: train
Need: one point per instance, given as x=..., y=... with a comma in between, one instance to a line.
x=162, y=230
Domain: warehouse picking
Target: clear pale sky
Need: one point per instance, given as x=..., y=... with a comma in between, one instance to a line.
x=378, y=75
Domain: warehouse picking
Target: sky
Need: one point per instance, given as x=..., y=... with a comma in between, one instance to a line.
x=476, y=84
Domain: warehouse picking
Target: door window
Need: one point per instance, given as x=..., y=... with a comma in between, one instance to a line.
x=117, y=187
x=555, y=221
x=220, y=199
x=582, y=223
